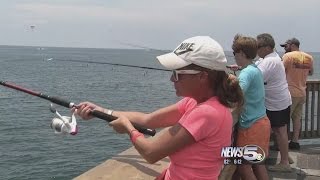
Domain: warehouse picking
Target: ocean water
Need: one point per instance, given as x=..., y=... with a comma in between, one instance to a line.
x=29, y=148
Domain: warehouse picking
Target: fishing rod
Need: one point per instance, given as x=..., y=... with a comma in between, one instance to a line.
x=68, y=104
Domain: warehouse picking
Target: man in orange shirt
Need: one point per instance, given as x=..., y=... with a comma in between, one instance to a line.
x=298, y=66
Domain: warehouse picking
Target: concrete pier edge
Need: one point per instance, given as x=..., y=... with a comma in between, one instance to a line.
x=130, y=165
x=126, y=165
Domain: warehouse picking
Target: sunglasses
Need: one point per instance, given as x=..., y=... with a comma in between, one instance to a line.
x=175, y=73
x=287, y=45
x=234, y=52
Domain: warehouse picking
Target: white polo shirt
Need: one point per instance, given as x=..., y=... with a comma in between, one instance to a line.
x=275, y=83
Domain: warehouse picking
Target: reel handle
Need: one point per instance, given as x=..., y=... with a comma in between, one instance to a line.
x=109, y=118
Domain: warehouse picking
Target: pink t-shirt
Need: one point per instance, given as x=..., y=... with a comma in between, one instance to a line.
x=210, y=124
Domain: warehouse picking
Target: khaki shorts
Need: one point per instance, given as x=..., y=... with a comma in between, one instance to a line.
x=296, y=107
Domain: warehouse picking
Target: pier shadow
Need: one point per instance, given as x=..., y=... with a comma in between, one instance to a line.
x=138, y=162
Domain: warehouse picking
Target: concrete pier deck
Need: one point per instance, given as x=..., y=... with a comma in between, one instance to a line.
x=130, y=165
x=306, y=163
x=127, y=165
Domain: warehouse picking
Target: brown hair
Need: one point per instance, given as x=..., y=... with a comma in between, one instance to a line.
x=227, y=89
x=266, y=40
x=248, y=45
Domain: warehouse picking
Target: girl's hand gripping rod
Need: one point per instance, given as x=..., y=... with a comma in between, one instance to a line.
x=67, y=104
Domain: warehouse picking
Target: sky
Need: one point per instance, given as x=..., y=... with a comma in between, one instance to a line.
x=160, y=24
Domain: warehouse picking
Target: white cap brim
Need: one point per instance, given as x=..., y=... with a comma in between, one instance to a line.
x=171, y=61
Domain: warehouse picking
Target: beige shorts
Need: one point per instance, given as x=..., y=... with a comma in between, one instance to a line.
x=296, y=107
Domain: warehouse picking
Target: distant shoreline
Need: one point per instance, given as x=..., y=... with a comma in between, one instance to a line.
x=150, y=49
x=86, y=48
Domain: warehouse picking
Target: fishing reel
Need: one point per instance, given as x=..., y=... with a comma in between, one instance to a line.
x=63, y=124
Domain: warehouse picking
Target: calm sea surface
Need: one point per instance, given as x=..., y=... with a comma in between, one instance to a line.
x=29, y=149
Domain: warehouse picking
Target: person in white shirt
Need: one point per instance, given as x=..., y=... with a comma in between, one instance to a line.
x=277, y=96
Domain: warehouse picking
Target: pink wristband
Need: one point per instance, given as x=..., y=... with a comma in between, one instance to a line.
x=134, y=135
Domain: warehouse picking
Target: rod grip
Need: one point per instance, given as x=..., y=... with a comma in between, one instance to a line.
x=57, y=100
x=109, y=118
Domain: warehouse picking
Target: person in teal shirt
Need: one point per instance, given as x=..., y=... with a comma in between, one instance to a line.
x=254, y=125
x=251, y=83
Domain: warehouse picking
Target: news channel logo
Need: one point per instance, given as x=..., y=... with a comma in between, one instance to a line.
x=250, y=153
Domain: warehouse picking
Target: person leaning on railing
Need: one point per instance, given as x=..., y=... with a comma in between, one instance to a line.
x=199, y=125
x=298, y=66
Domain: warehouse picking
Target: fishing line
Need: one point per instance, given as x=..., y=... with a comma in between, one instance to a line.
x=143, y=47
x=150, y=48
x=125, y=65
x=115, y=64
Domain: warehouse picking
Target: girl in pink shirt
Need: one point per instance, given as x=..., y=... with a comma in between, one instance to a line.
x=199, y=125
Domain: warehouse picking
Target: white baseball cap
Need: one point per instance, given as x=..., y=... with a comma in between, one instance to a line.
x=199, y=50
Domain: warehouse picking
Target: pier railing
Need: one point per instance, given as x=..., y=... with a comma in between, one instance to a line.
x=310, y=127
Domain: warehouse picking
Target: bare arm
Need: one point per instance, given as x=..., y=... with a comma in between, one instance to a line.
x=311, y=69
x=164, y=117
x=167, y=142
x=153, y=149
